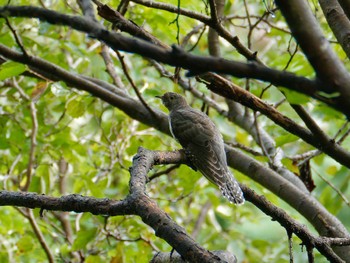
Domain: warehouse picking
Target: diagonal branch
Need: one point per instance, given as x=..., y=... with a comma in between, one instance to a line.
x=304, y=203
x=328, y=67
x=338, y=22
x=177, y=57
x=138, y=203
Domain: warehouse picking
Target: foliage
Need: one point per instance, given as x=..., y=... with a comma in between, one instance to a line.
x=97, y=141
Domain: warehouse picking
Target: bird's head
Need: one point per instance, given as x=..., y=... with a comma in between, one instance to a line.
x=173, y=100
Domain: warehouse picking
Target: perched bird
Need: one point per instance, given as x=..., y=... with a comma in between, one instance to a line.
x=202, y=143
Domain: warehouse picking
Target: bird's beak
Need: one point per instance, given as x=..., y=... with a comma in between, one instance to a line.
x=159, y=97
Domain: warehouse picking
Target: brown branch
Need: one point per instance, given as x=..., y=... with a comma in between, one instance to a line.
x=138, y=94
x=39, y=234
x=243, y=163
x=138, y=203
x=224, y=33
x=166, y=171
x=279, y=120
x=33, y=136
x=229, y=90
x=338, y=22
x=162, y=257
x=17, y=38
x=248, y=165
x=99, y=89
x=291, y=225
x=177, y=57
x=328, y=67
x=151, y=214
x=110, y=67
x=317, y=132
x=338, y=191
x=214, y=51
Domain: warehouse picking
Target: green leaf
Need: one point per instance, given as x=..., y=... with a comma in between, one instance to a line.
x=75, y=108
x=11, y=69
x=287, y=138
x=25, y=244
x=294, y=97
x=3, y=143
x=83, y=238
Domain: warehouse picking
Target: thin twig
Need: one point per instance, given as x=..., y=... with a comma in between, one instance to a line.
x=110, y=67
x=156, y=175
x=290, y=246
x=334, y=188
x=33, y=137
x=201, y=218
x=244, y=148
x=138, y=94
x=39, y=235
x=17, y=38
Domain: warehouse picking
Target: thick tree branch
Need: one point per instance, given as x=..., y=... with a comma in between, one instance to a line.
x=345, y=4
x=291, y=225
x=138, y=203
x=324, y=222
x=217, y=8
x=227, y=89
x=304, y=203
x=177, y=57
x=334, y=150
x=210, y=21
x=329, y=69
x=338, y=21
x=152, y=215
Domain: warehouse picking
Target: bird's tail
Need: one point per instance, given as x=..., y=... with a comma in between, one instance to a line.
x=232, y=191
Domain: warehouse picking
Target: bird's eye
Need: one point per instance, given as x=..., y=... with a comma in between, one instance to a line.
x=171, y=97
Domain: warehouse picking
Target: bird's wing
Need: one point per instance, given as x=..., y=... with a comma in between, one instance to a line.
x=210, y=160
x=191, y=126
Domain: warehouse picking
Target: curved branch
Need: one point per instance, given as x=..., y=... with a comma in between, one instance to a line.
x=138, y=203
x=227, y=89
x=325, y=223
x=304, y=203
x=216, y=8
x=329, y=69
x=153, y=216
x=291, y=225
x=210, y=21
x=333, y=150
x=177, y=57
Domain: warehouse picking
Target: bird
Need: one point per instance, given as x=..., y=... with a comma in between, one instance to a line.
x=203, y=144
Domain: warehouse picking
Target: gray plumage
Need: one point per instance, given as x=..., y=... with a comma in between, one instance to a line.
x=203, y=144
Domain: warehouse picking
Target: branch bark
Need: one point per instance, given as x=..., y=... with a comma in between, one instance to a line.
x=138, y=203
x=325, y=223
x=338, y=21
x=177, y=57
x=329, y=69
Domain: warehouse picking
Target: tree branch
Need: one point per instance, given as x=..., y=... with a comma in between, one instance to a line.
x=326, y=224
x=334, y=150
x=329, y=69
x=177, y=57
x=338, y=22
x=138, y=203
